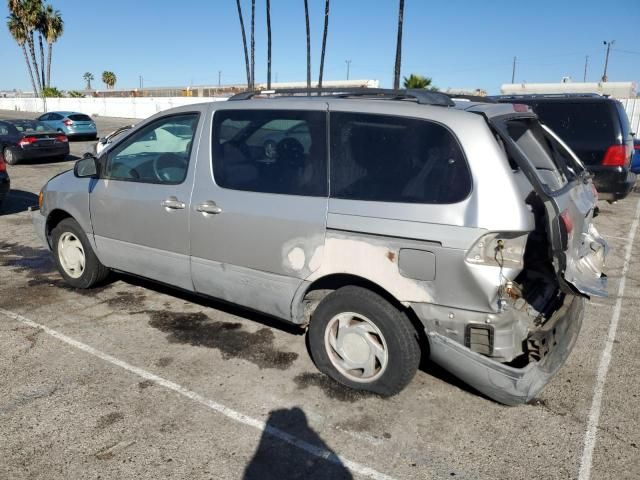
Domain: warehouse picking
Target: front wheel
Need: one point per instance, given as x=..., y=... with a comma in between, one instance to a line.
x=362, y=341
x=74, y=257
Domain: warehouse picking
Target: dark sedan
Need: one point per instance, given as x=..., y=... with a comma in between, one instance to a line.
x=29, y=139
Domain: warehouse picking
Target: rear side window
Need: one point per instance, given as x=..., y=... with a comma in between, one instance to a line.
x=80, y=118
x=271, y=151
x=624, y=122
x=396, y=159
x=579, y=122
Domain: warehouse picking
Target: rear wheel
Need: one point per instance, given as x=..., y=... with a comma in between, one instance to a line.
x=74, y=257
x=362, y=341
x=10, y=156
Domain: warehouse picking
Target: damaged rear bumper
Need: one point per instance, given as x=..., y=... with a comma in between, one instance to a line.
x=505, y=384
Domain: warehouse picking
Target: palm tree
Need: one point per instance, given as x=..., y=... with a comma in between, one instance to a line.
x=417, y=81
x=324, y=41
x=88, y=76
x=306, y=18
x=253, y=44
x=19, y=34
x=396, y=72
x=268, y=44
x=53, y=30
x=31, y=13
x=109, y=79
x=244, y=43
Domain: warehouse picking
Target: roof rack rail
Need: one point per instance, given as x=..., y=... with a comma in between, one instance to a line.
x=423, y=97
x=472, y=98
x=545, y=95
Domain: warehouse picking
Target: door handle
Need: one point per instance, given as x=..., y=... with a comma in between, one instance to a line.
x=209, y=207
x=172, y=203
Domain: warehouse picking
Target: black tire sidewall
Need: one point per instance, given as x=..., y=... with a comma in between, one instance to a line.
x=402, y=345
x=93, y=269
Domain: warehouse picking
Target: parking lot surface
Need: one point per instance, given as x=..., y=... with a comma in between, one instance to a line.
x=137, y=380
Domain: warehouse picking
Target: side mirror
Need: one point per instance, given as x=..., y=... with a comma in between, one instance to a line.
x=86, y=167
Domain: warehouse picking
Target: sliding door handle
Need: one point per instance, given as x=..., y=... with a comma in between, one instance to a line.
x=209, y=207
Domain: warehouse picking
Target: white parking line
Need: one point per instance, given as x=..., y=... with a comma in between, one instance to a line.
x=605, y=360
x=226, y=411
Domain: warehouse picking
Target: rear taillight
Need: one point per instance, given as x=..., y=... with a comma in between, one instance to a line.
x=3, y=165
x=566, y=229
x=27, y=141
x=61, y=138
x=68, y=122
x=503, y=249
x=616, y=156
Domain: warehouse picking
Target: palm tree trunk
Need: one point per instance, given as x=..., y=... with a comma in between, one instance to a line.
x=26, y=59
x=268, y=44
x=396, y=71
x=244, y=44
x=306, y=18
x=32, y=51
x=324, y=42
x=253, y=45
x=49, y=53
x=44, y=82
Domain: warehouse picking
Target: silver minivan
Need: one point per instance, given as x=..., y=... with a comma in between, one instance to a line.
x=404, y=225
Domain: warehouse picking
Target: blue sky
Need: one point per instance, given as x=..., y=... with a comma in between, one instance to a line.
x=459, y=43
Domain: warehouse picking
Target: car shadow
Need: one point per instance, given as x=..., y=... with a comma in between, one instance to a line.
x=276, y=459
x=18, y=201
x=210, y=302
x=48, y=160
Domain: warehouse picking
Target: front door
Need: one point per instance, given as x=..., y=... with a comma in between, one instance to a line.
x=140, y=204
x=259, y=207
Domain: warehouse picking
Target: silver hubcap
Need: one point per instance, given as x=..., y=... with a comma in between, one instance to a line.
x=8, y=156
x=356, y=347
x=71, y=255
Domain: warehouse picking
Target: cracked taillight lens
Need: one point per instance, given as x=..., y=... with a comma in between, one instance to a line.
x=504, y=249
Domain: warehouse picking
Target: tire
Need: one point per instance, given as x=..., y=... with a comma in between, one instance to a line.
x=377, y=322
x=9, y=156
x=79, y=267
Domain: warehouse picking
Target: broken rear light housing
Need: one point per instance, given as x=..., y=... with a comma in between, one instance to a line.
x=499, y=249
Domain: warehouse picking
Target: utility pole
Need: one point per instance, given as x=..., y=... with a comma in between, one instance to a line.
x=219, y=78
x=141, y=82
x=513, y=70
x=348, y=62
x=606, y=60
x=586, y=64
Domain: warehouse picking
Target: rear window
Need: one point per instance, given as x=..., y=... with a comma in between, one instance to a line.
x=579, y=121
x=553, y=163
x=80, y=118
x=396, y=159
x=31, y=126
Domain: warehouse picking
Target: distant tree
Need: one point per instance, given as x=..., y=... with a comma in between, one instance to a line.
x=75, y=94
x=31, y=14
x=244, y=43
x=109, y=79
x=51, y=92
x=19, y=34
x=306, y=18
x=53, y=28
x=268, y=44
x=418, y=81
x=88, y=76
x=396, y=70
x=324, y=42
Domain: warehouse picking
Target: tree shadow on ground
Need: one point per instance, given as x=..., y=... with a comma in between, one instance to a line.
x=277, y=459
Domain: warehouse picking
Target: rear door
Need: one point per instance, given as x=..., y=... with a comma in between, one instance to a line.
x=569, y=198
x=258, y=220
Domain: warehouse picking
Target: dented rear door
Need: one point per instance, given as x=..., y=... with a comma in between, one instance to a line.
x=566, y=190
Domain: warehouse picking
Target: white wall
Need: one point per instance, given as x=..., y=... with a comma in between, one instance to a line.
x=127, y=107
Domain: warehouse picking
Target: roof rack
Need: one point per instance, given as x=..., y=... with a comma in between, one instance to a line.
x=423, y=97
x=472, y=98
x=545, y=95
